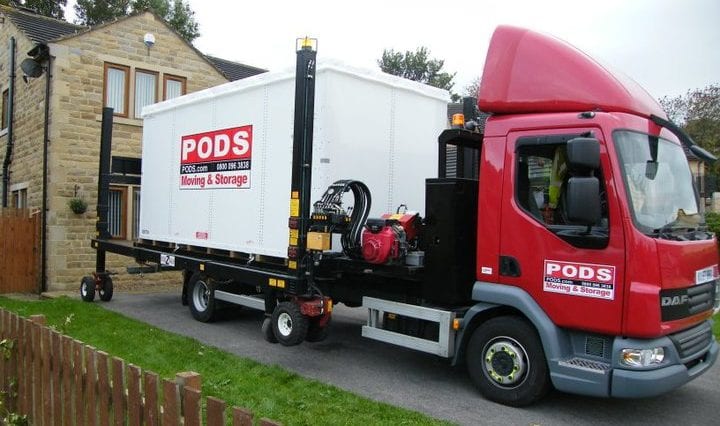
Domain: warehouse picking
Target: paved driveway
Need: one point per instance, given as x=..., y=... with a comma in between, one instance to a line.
x=411, y=379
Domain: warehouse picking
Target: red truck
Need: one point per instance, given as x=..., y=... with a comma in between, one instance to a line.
x=562, y=243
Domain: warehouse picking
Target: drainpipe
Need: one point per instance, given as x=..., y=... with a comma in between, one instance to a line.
x=46, y=142
x=10, y=113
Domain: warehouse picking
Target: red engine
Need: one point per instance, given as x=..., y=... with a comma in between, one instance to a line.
x=386, y=240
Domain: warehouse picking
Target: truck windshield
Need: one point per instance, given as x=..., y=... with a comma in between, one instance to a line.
x=659, y=185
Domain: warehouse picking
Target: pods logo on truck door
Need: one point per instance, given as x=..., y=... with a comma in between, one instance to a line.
x=219, y=159
x=579, y=279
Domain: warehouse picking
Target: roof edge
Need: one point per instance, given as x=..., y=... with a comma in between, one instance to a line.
x=137, y=14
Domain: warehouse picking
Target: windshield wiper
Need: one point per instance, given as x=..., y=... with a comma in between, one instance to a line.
x=683, y=228
x=670, y=232
x=666, y=231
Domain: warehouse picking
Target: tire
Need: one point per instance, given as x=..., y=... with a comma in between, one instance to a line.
x=87, y=289
x=267, y=331
x=315, y=332
x=506, y=361
x=106, y=290
x=289, y=325
x=201, y=298
x=184, y=298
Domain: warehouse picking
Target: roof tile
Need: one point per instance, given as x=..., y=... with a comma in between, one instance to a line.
x=233, y=70
x=41, y=29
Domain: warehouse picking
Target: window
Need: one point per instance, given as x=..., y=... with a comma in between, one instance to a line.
x=124, y=212
x=537, y=192
x=145, y=90
x=117, y=90
x=117, y=202
x=136, y=213
x=19, y=198
x=5, y=106
x=117, y=82
x=173, y=86
x=542, y=176
x=657, y=181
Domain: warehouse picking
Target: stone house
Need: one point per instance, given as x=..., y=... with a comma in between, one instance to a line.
x=75, y=71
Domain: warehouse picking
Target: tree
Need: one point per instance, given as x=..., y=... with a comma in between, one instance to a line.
x=698, y=113
x=417, y=66
x=177, y=14
x=51, y=8
x=161, y=7
x=472, y=88
x=93, y=12
x=182, y=18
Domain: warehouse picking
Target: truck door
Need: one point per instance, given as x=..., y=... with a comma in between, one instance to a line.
x=577, y=279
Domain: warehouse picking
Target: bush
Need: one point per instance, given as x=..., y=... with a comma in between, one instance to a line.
x=713, y=222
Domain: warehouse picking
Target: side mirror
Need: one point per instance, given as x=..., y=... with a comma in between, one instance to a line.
x=583, y=154
x=582, y=200
x=651, y=169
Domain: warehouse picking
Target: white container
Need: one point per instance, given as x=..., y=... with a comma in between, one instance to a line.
x=368, y=126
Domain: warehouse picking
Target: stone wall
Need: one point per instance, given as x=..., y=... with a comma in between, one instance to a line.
x=76, y=103
x=26, y=166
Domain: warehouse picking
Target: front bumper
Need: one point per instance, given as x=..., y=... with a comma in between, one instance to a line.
x=688, y=354
x=680, y=368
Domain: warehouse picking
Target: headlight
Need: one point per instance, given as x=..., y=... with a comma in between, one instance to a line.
x=642, y=357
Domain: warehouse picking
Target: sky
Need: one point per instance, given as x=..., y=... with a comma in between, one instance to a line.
x=668, y=46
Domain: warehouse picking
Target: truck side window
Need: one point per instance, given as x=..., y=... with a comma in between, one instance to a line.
x=540, y=185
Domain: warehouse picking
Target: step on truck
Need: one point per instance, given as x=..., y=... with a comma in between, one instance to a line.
x=557, y=243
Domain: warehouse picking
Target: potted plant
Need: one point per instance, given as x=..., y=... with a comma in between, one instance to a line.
x=77, y=205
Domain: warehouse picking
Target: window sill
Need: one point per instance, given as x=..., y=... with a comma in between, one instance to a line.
x=137, y=122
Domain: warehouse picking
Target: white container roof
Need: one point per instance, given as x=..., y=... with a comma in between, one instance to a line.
x=326, y=65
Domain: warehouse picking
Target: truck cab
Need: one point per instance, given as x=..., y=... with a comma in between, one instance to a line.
x=612, y=295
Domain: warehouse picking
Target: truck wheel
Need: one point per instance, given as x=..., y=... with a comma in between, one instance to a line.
x=106, y=290
x=267, y=331
x=505, y=360
x=289, y=324
x=87, y=289
x=316, y=333
x=201, y=298
x=184, y=298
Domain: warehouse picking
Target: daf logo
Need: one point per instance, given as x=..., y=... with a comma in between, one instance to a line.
x=675, y=300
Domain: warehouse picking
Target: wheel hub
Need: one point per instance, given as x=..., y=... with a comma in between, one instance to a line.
x=505, y=361
x=201, y=296
x=284, y=324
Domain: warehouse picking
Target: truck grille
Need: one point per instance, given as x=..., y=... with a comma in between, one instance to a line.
x=684, y=302
x=692, y=342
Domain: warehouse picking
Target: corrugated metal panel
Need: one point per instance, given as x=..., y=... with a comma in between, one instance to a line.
x=368, y=126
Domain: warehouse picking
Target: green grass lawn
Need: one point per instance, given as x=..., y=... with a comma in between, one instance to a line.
x=716, y=326
x=269, y=391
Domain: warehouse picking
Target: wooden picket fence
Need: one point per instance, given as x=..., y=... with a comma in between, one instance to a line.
x=19, y=251
x=55, y=380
